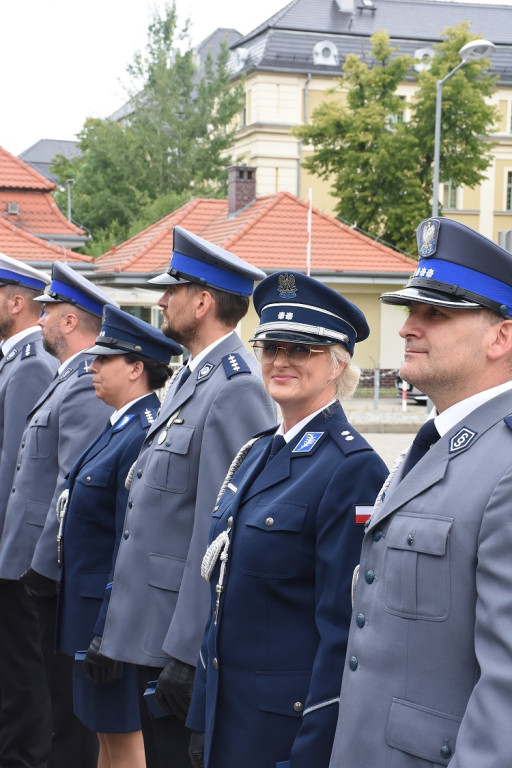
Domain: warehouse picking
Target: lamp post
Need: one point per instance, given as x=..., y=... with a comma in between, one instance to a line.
x=69, y=182
x=476, y=49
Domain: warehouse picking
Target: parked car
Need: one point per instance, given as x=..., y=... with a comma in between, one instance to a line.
x=414, y=395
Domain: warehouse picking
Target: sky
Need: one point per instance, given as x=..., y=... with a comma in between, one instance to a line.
x=62, y=61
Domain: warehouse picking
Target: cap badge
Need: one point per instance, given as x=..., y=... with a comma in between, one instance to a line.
x=428, y=238
x=287, y=288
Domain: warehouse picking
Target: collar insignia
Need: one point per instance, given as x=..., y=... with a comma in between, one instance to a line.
x=308, y=442
x=287, y=288
x=462, y=440
x=204, y=371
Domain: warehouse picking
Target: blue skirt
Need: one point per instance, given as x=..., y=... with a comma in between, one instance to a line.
x=107, y=707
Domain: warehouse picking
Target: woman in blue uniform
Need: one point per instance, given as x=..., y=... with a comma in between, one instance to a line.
x=286, y=535
x=132, y=361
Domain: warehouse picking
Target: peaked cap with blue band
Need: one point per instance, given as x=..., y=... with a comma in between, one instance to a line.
x=122, y=333
x=68, y=286
x=296, y=307
x=459, y=269
x=195, y=260
x=15, y=272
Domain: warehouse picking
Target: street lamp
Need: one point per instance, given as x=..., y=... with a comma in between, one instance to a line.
x=69, y=182
x=476, y=49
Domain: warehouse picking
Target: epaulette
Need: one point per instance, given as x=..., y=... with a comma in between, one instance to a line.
x=84, y=367
x=148, y=416
x=29, y=350
x=347, y=438
x=122, y=423
x=508, y=421
x=234, y=364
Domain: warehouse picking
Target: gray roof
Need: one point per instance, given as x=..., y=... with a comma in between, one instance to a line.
x=41, y=155
x=286, y=41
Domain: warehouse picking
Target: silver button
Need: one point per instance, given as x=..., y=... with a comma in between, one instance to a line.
x=88, y=479
x=298, y=706
x=215, y=663
x=269, y=521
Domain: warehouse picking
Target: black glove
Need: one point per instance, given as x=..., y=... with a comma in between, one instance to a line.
x=174, y=688
x=196, y=749
x=37, y=585
x=98, y=667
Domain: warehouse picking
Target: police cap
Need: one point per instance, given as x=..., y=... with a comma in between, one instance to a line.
x=296, y=307
x=68, y=286
x=195, y=260
x=459, y=269
x=15, y=272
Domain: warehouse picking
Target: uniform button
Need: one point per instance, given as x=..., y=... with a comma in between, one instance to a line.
x=215, y=663
x=139, y=473
x=88, y=479
x=126, y=534
x=13, y=489
x=410, y=537
x=168, y=443
x=369, y=577
x=130, y=503
x=353, y=663
x=149, y=442
x=230, y=520
x=23, y=444
x=361, y=620
x=269, y=521
x=445, y=751
x=18, y=467
x=36, y=420
x=377, y=534
x=298, y=706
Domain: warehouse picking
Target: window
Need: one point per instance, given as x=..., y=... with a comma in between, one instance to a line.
x=450, y=195
x=508, y=206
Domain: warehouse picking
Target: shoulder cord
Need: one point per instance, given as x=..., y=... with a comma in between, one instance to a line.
x=61, y=508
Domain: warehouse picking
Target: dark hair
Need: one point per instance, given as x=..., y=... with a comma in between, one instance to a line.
x=157, y=373
x=230, y=308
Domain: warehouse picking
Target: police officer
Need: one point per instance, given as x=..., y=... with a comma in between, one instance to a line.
x=60, y=426
x=429, y=661
x=132, y=359
x=159, y=602
x=25, y=372
x=286, y=535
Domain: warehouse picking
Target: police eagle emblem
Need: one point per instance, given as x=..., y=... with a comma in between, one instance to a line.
x=427, y=244
x=287, y=288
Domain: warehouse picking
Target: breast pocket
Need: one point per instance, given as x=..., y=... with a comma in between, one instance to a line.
x=39, y=444
x=271, y=540
x=416, y=572
x=93, y=502
x=168, y=466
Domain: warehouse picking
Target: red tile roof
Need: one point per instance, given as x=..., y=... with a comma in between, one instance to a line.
x=271, y=233
x=19, y=244
x=38, y=212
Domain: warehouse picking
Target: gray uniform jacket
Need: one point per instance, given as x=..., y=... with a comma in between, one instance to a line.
x=159, y=602
x=25, y=372
x=428, y=672
x=63, y=422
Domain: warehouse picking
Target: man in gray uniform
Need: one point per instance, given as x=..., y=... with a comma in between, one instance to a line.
x=25, y=372
x=61, y=424
x=159, y=602
x=428, y=674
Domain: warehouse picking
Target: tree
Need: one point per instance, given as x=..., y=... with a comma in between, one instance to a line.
x=381, y=167
x=174, y=142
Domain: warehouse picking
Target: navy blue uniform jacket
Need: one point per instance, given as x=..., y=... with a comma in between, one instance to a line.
x=268, y=681
x=94, y=523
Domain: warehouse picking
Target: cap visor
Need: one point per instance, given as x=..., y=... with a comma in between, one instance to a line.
x=407, y=295
x=99, y=349
x=166, y=279
x=293, y=336
x=47, y=299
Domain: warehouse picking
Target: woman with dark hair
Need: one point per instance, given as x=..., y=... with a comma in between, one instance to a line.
x=132, y=360
x=285, y=537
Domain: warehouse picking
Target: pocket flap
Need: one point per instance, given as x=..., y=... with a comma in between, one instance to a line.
x=165, y=571
x=41, y=418
x=93, y=584
x=283, y=516
x=98, y=477
x=177, y=439
x=419, y=533
x=283, y=693
x=422, y=732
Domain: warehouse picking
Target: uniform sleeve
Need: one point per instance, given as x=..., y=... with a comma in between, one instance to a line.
x=81, y=418
x=485, y=736
x=357, y=481
x=25, y=385
x=241, y=408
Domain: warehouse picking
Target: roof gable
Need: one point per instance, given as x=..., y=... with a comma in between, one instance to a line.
x=15, y=174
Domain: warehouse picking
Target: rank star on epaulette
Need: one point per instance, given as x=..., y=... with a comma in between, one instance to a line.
x=150, y=415
x=84, y=367
x=28, y=350
x=234, y=364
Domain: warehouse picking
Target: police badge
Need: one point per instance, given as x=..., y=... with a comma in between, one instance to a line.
x=287, y=288
x=427, y=238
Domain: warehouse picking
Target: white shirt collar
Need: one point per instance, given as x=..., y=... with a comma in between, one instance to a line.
x=447, y=419
x=294, y=431
x=62, y=367
x=194, y=362
x=11, y=342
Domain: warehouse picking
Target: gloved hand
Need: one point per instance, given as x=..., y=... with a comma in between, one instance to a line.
x=174, y=688
x=196, y=749
x=98, y=667
x=37, y=585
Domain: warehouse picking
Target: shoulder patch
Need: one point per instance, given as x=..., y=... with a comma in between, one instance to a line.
x=205, y=371
x=122, y=423
x=84, y=367
x=29, y=350
x=234, y=364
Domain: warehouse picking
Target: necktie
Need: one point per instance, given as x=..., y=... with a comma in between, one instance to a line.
x=426, y=437
x=183, y=376
x=278, y=442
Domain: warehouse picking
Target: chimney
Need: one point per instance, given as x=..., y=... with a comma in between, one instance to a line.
x=241, y=187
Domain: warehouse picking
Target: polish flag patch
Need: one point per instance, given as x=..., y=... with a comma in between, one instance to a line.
x=362, y=514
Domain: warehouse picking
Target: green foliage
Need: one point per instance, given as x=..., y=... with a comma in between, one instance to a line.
x=173, y=144
x=380, y=167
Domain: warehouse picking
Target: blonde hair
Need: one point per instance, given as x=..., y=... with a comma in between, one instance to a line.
x=347, y=382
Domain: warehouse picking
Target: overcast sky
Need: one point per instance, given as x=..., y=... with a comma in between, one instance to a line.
x=62, y=61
